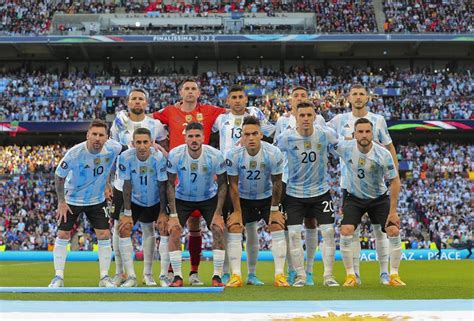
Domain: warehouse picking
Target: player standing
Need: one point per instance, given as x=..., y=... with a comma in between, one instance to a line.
x=80, y=180
x=122, y=131
x=343, y=124
x=195, y=165
x=366, y=166
x=254, y=171
x=307, y=191
x=143, y=171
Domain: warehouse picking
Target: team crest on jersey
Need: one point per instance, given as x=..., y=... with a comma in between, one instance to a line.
x=189, y=118
x=194, y=167
x=361, y=161
x=107, y=160
x=143, y=169
x=262, y=165
x=97, y=161
x=199, y=117
x=319, y=146
x=372, y=167
x=253, y=164
x=307, y=145
x=122, y=167
x=205, y=168
x=238, y=122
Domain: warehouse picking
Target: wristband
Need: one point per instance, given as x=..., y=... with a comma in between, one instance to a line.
x=174, y=215
x=127, y=212
x=274, y=208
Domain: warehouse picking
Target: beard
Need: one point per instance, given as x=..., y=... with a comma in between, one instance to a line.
x=137, y=111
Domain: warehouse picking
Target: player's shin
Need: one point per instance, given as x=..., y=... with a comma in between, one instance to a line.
x=395, y=249
x=234, y=252
x=226, y=259
x=252, y=247
x=382, y=247
x=60, y=254
x=311, y=245
x=126, y=253
x=296, y=249
x=347, y=253
x=291, y=268
x=356, y=250
x=116, y=246
x=164, y=255
x=279, y=250
x=105, y=256
x=218, y=252
x=328, y=248
x=149, y=246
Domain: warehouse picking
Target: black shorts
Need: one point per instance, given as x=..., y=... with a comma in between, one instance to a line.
x=344, y=194
x=207, y=209
x=283, y=197
x=145, y=214
x=255, y=210
x=118, y=204
x=97, y=214
x=319, y=207
x=354, y=208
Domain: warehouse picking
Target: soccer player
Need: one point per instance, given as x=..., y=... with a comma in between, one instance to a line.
x=307, y=190
x=343, y=124
x=254, y=171
x=123, y=127
x=195, y=165
x=298, y=95
x=80, y=180
x=229, y=126
x=143, y=171
x=177, y=117
x=367, y=164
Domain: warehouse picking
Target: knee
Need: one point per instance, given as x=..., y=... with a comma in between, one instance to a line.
x=392, y=231
x=102, y=234
x=175, y=233
x=310, y=222
x=126, y=232
x=217, y=232
x=275, y=227
x=163, y=230
x=236, y=228
x=64, y=235
x=194, y=223
x=347, y=230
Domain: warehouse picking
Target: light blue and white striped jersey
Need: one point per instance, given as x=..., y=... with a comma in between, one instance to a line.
x=229, y=127
x=289, y=122
x=307, y=161
x=196, y=177
x=366, y=172
x=86, y=173
x=343, y=124
x=122, y=131
x=255, y=172
x=145, y=176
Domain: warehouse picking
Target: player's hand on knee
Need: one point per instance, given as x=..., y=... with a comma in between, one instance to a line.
x=63, y=210
x=218, y=221
x=173, y=223
x=163, y=224
x=235, y=218
x=392, y=220
x=277, y=218
x=125, y=224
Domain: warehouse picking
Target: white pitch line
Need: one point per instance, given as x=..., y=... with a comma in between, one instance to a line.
x=23, y=264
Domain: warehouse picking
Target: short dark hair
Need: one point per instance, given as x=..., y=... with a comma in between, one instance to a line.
x=251, y=120
x=187, y=80
x=236, y=88
x=141, y=131
x=194, y=125
x=98, y=123
x=305, y=104
x=140, y=90
x=358, y=86
x=362, y=121
x=298, y=88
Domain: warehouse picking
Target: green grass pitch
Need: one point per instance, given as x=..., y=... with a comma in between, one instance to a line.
x=425, y=280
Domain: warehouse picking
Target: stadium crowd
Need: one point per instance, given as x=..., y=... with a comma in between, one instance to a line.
x=435, y=198
x=420, y=94
x=27, y=17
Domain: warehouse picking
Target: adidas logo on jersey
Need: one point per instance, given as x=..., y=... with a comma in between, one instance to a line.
x=295, y=148
x=183, y=168
x=87, y=166
x=347, y=126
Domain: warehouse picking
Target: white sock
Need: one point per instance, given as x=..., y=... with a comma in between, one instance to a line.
x=126, y=253
x=234, y=252
x=381, y=246
x=164, y=255
x=356, y=250
x=225, y=270
x=328, y=248
x=149, y=247
x=252, y=246
x=218, y=257
x=175, y=259
x=395, y=248
x=60, y=254
x=279, y=251
x=115, y=243
x=291, y=268
x=347, y=254
x=296, y=248
x=105, y=256
x=311, y=245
